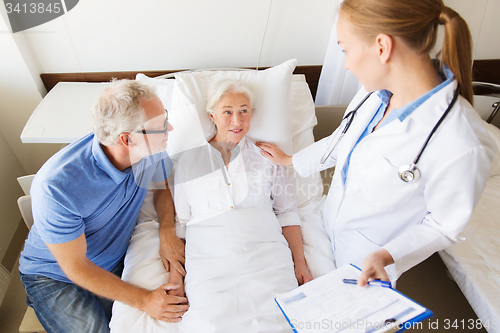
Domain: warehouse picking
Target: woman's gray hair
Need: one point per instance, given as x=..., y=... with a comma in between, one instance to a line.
x=119, y=109
x=219, y=88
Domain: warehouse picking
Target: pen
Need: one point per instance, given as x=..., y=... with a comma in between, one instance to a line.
x=379, y=283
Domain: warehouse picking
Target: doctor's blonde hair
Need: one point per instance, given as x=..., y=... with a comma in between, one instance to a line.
x=416, y=22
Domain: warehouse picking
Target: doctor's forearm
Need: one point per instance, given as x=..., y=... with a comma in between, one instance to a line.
x=415, y=245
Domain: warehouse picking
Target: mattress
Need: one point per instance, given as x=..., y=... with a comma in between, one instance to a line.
x=475, y=263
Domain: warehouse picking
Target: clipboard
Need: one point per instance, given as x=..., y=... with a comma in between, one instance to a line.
x=327, y=304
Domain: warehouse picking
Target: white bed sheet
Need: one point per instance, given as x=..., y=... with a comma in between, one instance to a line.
x=236, y=262
x=144, y=268
x=475, y=263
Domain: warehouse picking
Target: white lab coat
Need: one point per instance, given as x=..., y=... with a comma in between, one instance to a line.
x=375, y=209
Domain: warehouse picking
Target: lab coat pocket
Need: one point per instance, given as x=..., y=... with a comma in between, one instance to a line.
x=383, y=188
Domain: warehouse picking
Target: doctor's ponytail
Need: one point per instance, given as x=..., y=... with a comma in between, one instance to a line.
x=456, y=52
x=416, y=22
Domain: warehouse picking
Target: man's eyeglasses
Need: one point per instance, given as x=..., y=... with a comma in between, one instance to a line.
x=163, y=131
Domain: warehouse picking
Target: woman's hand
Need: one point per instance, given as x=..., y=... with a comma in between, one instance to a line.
x=176, y=278
x=302, y=274
x=274, y=154
x=373, y=267
x=172, y=250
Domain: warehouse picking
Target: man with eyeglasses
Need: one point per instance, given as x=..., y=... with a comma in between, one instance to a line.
x=85, y=202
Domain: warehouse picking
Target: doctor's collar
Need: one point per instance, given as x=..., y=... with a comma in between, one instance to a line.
x=401, y=113
x=443, y=70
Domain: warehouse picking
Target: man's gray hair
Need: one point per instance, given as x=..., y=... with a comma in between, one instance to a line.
x=219, y=88
x=119, y=109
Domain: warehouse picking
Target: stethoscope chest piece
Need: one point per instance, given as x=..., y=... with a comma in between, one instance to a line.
x=409, y=173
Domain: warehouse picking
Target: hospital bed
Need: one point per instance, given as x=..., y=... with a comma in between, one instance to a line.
x=285, y=114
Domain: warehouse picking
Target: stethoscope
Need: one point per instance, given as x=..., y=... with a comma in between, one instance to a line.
x=409, y=172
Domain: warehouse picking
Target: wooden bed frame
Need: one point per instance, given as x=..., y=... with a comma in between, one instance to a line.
x=312, y=74
x=483, y=70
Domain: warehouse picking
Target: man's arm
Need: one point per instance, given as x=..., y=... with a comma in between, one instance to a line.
x=171, y=246
x=71, y=257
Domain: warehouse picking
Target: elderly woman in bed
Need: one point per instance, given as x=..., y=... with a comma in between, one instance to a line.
x=243, y=238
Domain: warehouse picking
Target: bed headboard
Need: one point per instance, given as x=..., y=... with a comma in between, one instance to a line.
x=312, y=74
x=486, y=71
x=483, y=70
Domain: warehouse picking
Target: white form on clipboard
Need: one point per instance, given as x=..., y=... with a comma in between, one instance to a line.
x=327, y=304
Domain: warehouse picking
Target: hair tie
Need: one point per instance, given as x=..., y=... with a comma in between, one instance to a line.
x=446, y=15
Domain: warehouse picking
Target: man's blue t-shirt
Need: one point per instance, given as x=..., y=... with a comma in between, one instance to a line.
x=79, y=191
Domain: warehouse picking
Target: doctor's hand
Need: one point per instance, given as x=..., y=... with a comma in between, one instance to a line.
x=172, y=250
x=159, y=305
x=274, y=154
x=373, y=267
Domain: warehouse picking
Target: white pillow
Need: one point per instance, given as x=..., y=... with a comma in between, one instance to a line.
x=270, y=121
x=163, y=88
x=302, y=111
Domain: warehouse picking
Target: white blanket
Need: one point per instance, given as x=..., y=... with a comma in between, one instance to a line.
x=236, y=262
x=143, y=268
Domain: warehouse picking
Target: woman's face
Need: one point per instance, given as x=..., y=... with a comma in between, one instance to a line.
x=232, y=117
x=360, y=56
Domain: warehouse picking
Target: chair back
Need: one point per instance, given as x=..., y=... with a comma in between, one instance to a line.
x=24, y=204
x=25, y=182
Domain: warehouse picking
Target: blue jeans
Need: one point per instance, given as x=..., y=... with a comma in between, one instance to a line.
x=65, y=307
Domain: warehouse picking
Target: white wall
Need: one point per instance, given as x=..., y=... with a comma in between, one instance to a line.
x=482, y=18
x=488, y=43
x=117, y=35
x=131, y=35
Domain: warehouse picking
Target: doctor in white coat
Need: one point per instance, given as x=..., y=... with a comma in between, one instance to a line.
x=373, y=217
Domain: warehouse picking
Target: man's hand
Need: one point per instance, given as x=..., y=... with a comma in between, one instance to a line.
x=172, y=250
x=373, y=267
x=159, y=305
x=274, y=154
